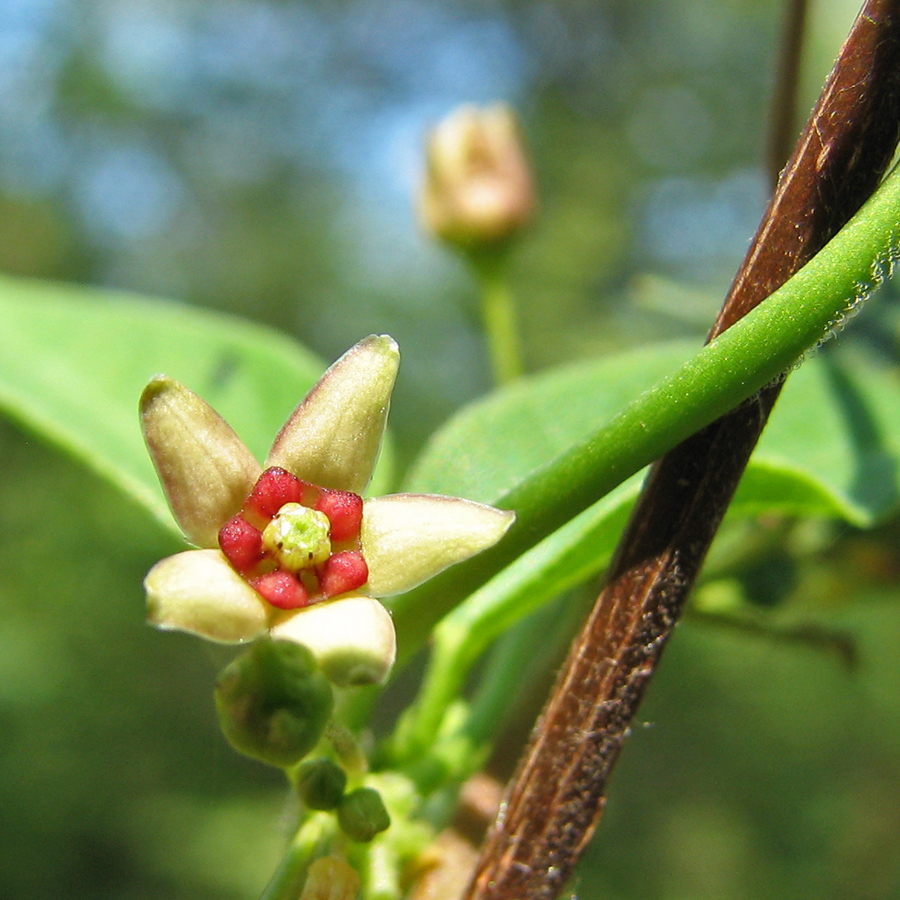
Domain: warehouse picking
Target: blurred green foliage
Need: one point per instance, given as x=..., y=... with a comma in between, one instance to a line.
x=258, y=157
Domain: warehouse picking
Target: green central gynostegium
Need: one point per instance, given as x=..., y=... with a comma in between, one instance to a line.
x=298, y=537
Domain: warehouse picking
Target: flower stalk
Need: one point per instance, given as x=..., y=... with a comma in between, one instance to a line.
x=478, y=196
x=498, y=316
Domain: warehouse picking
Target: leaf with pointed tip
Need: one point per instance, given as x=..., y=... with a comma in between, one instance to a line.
x=74, y=360
x=832, y=448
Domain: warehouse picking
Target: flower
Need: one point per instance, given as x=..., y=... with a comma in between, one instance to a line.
x=291, y=549
x=478, y=188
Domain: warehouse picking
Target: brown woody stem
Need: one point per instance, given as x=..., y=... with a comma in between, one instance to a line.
x=556, y=799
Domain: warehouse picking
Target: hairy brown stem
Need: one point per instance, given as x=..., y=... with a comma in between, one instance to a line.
x=557, y=796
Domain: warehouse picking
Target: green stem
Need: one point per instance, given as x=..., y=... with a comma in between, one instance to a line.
x=752, y=353
x=564, y=559
x=521, y=661
x=290, y=876
x=498, y=315
x=346, y=748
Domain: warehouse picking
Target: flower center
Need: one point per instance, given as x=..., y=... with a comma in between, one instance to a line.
x=298, y=537
x=296, y=543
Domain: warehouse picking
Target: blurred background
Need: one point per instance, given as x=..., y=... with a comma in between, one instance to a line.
x=261, y=158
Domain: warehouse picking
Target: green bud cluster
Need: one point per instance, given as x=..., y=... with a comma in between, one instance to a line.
x=320, y=783
x=273, y=702
x=362, y=814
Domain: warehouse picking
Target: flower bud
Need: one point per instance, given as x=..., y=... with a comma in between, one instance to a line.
x=362, y=814
x=273, y=702
x=330, y=878
x=478, y=188
x=320, y=783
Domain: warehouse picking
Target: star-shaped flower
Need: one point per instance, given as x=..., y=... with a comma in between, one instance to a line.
x=291, y=549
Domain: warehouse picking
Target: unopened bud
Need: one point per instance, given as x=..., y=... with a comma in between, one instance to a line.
x=273, y=702
x=362, y=814
x=320, y=783
x=478, y=188
x=330, y=878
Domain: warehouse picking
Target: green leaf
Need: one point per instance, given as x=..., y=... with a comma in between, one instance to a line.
x=569, y=556
x=832, y=448
x=493, y=445
x=73, y=362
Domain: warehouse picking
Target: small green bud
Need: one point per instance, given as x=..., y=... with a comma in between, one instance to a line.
x=362, y=814
x=273, y=702
x=320, y=783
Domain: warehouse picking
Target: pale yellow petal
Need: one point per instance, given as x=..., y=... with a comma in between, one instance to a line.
x=333, y=437
x=408, y=538
x=352, y=638
x=205, y=470
x=199, y=592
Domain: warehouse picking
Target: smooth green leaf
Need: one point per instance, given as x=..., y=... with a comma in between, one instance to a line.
x=491, y=446
x=758, y=349
x=832, y=448
x=569, y=556
x=73, y=362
